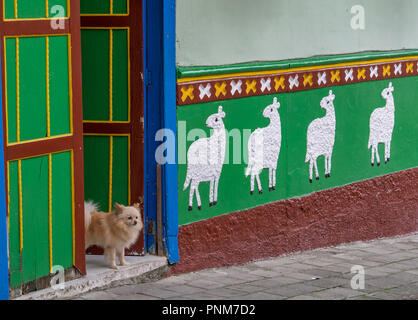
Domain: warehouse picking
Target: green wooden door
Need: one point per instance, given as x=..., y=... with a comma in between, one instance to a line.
x=111, y=46
x=42, y=109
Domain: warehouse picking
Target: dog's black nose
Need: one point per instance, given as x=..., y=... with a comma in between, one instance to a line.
x=135, y=223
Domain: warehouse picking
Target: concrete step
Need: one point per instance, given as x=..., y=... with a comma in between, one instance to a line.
x=100, y=276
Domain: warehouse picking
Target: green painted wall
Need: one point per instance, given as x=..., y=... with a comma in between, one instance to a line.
x=351, y=159
x=220, y=32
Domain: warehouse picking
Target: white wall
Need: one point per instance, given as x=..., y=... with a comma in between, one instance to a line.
x=215, y=32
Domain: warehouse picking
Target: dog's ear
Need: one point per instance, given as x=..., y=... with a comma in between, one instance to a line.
x=137, y=206
x=118, y=207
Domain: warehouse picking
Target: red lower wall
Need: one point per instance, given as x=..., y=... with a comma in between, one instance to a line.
x=381, y=207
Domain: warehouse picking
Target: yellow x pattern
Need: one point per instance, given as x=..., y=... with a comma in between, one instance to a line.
x=307, y=79
x=279, y=83
x=386, y=70
x=220, y=89
x=335, y=76
x=187, y=93
x=251, y=86
x=409, y=67
x=361, y=73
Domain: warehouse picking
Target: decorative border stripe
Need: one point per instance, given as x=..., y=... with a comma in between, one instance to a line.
x=111, y=74
x=50, y=211
x=292, y=80
x=19, y=174
x=73, y=207
x=110, y=172
x=48, y=99
x=17, y=92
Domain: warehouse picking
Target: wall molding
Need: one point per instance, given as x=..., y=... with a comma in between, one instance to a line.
x=225, y=86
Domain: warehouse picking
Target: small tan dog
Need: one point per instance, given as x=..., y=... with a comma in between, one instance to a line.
x=112, y=231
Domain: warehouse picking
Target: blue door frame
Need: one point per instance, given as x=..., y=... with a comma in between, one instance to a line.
x=160, y=112
x=4, y=265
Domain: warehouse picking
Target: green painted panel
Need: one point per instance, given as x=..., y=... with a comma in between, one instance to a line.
x=96, y=170
x=354, y=105
x=120, y=176
x=14, y=238
x=35, y=211
x=31, y=9
x=15, y=279
x=53, y=9
x=9, y=9
x=94, y=6
x=62, y=234
x=103, y=6
x=95, y=64
x=11, y=90
x=32, y=71
x=120, y=75
x=120, y=6
x=59, y=93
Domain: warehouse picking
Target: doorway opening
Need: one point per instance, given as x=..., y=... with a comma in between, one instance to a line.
x=113, y=116
x=63, y=88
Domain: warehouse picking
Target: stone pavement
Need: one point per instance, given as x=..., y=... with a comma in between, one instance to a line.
x=391, y=272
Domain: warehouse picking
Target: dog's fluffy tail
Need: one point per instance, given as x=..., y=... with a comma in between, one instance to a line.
x=89, y=208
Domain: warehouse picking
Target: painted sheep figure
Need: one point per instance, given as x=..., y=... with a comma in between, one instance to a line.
x=382, y=122
x=264, y=148
x=206, y=157
x=321, y=138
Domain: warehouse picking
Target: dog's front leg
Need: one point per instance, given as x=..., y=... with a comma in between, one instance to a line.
x=111, y=257
x=121, y=256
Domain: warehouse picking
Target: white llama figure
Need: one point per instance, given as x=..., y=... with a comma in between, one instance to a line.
x=382, y=122
x=321, y=138
x=264, y=148
x=206, y=157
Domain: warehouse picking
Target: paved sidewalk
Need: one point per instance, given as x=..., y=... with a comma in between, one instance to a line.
x=391, y=272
